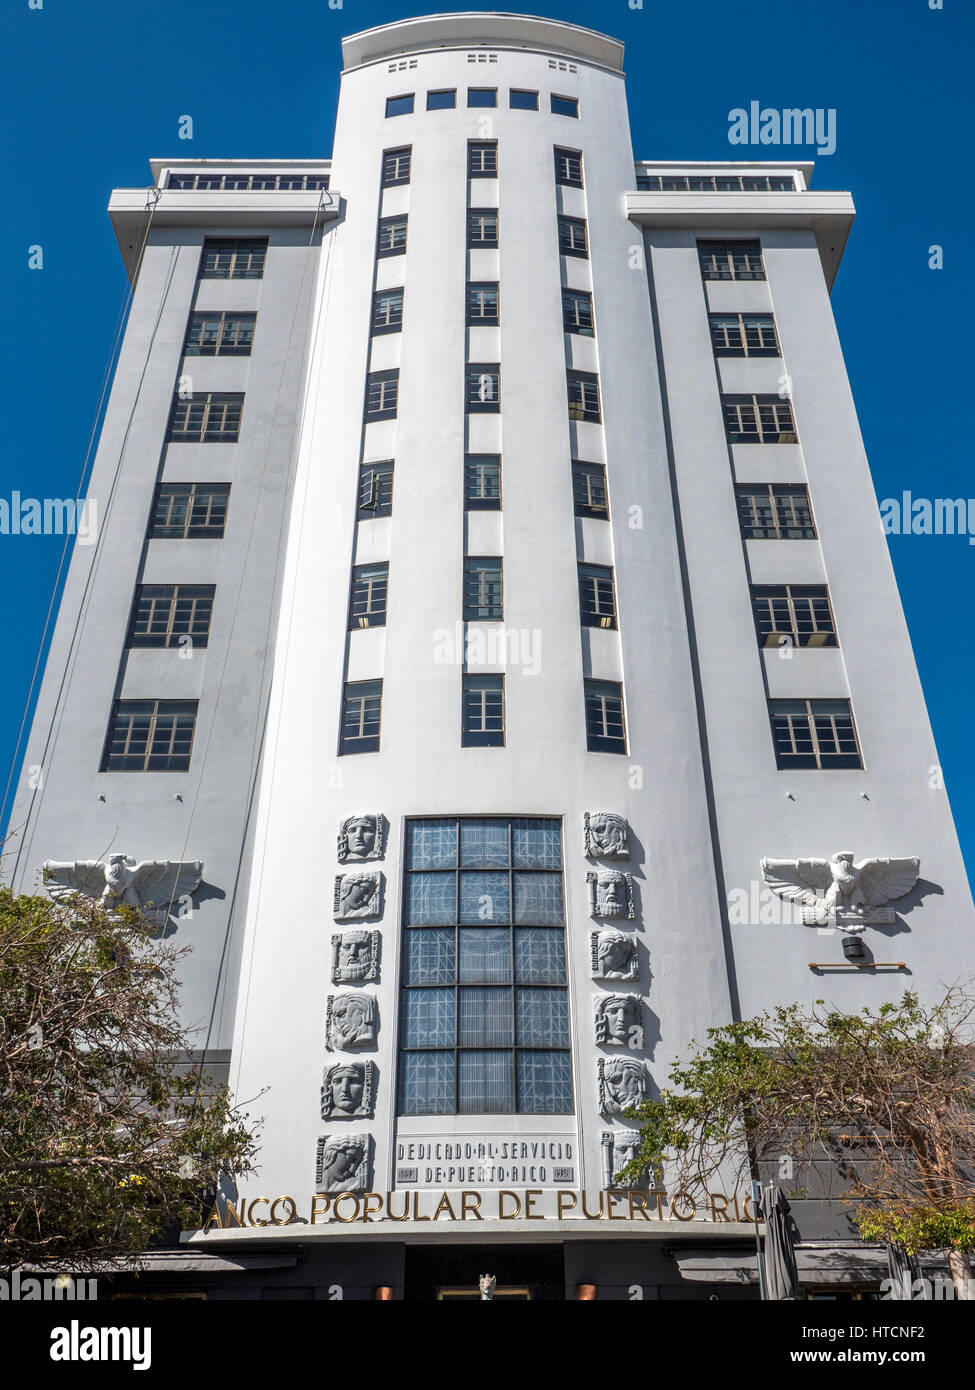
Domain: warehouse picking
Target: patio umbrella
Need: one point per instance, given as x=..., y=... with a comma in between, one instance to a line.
x=781, y=1275
x=904, y=1270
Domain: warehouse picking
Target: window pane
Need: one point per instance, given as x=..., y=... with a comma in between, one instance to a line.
x=441, y=101
x=485, y=956
x=431, y=844
x=484, y=843
x=431, y=898
x=538, y=899
x=484, y=897
x=429, y=1018
x=485, y=1017
x=543, y=1018
x=486, y=1083
x=540, y=956
x=544, y=1083
x=427, y=1083
x=429, y=956
x=537, y=844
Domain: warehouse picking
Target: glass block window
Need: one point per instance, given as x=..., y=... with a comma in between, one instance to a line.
x=482, y=390
x=233, y=258
x=189, y=511
x=482, y=159
x=482, y=588
x=367, y=604
x=605, y=724
x=589, y=494
x=392, y=236
x=583, y=388
x=597, y=596
x=814, y=734
x=485, y=1012
x=171, y=615
x=577, y=312
x=361, y=714
x=482, y=712
x=208, y=417
x=396, y=166
x=150, y=736
x=743, y=335
x=482, y=228
x=775, y=511
x=387, y=311
x=793, y=615
x=731, y=260
x=573, y=239
x=220, y=335
x=483, y=307
x=758, y=420
x=568, y=168
x=375, y=490
x=482, y=482
x=382, y=395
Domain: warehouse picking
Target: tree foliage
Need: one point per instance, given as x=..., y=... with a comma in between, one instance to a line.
x=884, y=1098
x=108, y=1134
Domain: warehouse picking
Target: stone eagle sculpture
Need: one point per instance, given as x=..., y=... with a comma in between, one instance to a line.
x=149, y=885
x=836, y=891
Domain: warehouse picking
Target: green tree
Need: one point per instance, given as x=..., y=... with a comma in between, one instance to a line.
x=884, y=1098
x=108, y=1134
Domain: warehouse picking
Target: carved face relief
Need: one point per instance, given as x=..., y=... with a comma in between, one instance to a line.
x=614, y=955
x=618, y=1151
x=355, y=956
x=360, y=838
x=357, y=895
x=622, y=1084
x=347, y=1090
x=342, y=1163
x=610, y=894
x=619, y=1020
x=605, y=835
x=351, y=1021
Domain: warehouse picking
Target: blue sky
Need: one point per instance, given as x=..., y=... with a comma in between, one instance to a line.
x=90, y=92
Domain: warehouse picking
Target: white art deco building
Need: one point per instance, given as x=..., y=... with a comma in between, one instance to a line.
x=489, y=580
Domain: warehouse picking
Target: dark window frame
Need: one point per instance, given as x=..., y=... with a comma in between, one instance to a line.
x=159, y=742
x=778, y=502
x=154, y=601
x=583, y=505
x=389, y=222
x=482, y=683
x=568, y=168
x=391, y=322
x=375, y=478
x=475, y=402
x=484, y=289
x=218, y=347
x=816, y=724
x=479, y=502
x=598, y=737
x=196, y=495
x=350, y=746
x=587, y=384
x=483, y=243
x=597, y=596
x=381, y=379
x=482, y=568
x=392, y=175
x=369, y=596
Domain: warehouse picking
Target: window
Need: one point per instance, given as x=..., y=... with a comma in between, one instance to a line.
x=150, y=736
x=220, y=335
x=396, y=166
x=382, y=392
x=482, y=589
x=711, y=183
x=367, y=605
x=482, y=227
x=583, y=396
x=758, y=420
x=485, y=1014
x=442, y=100
x=233, y=258
x=743, y=335
x=375, y=490
x=257, y=183
x=387, y=311
x=568, y=168
x=189, y=511
x=775, y=511
x=482, y=96
x=605, y=727
x=399, y=106
x=483, y=712
x=577, y=312
x=520, y=100
x=589, y=490
x=392, y=236
x=572, y=237
x=361, y=709
x=166, y=615
x=793, y=615
x=565, y=106
x=482, y=159
x=731, y=260
x=483, y=389
x=814, y=733
x=482, y=482
x=597, y=596
x=212, y=417
x=482, y=303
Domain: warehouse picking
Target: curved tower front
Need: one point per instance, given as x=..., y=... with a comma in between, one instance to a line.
x=483, y=911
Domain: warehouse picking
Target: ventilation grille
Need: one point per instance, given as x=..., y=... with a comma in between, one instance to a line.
x=402, y=67
x=482, y=57
x=562, y=67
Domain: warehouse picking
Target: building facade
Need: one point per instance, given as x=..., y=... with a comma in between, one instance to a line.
x=491, y=614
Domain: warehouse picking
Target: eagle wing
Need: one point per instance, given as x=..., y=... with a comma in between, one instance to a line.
x=160, y=882
x=883, y=880
x=800, y=880
x=78, y=876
